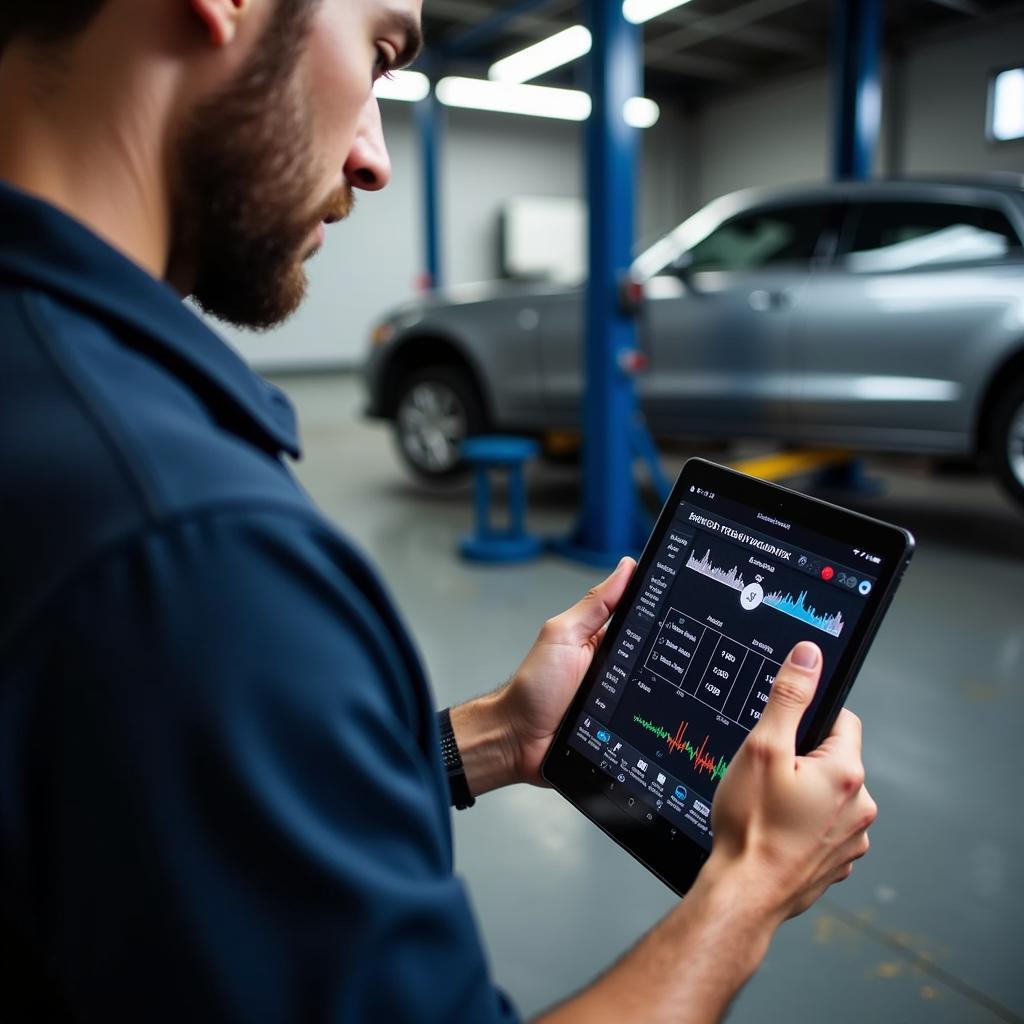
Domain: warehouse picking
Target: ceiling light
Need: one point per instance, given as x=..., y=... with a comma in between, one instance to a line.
x=542, y=57
x=512, y=98
x=640, y=112
x=639, y=11
x=410, y=86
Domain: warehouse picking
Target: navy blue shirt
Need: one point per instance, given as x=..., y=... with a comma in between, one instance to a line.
x=221, y=795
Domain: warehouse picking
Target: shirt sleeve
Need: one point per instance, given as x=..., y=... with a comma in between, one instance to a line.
x=234, y=807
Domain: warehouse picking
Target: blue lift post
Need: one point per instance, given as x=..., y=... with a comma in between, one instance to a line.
x=856, y=39
x=857, y=121
x=428, y=123
x=610, y=515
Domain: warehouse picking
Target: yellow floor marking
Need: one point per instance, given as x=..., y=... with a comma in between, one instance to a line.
x=787, y=464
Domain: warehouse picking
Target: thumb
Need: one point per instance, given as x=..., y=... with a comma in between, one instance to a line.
x=791, y=693
x=590, y=613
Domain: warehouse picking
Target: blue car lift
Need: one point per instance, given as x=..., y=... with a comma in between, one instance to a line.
x=611, y=520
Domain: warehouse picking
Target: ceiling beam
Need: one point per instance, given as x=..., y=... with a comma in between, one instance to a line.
x=968, y=7
x=696, y=30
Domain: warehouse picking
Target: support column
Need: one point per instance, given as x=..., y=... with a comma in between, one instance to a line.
x=610, y=503
x=428, y=124
x=857, y=117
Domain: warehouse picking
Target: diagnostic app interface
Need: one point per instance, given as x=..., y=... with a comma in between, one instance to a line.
x=729, y=593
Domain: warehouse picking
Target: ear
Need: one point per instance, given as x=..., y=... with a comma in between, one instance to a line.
x=220, y=18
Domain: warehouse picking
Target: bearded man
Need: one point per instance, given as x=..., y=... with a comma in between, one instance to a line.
x=222, y=795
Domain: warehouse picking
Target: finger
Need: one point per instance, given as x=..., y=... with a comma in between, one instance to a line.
x=588, y=615
x=790, y=695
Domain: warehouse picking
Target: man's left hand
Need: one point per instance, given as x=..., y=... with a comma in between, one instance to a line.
x=538, y=694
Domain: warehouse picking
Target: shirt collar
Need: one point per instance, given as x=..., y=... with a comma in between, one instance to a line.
x=43, y=247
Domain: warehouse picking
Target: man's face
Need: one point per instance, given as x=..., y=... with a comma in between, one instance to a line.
x=277, y=152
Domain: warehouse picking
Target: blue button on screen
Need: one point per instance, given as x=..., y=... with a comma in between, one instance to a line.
x=680, y=792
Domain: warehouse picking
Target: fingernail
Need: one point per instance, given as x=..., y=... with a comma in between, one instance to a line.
x=805, y=655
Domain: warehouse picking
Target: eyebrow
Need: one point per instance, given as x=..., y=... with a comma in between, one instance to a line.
x=413, y=34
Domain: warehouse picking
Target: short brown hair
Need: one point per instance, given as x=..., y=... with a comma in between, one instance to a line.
x=45, y=21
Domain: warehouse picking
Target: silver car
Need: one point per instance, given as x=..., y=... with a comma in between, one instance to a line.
x=873, y=316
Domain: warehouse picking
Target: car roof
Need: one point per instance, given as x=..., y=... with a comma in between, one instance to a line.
x=922, y=187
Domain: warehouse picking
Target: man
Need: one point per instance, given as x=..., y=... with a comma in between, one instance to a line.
x=221, y=794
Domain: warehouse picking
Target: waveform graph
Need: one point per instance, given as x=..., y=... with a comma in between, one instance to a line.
x=701, y=759
x=797, y=606
x=705, y=566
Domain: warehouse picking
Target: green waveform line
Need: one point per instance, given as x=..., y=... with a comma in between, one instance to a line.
x=704, y=762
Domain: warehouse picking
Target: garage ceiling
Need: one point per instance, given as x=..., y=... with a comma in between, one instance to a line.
x=704, y=48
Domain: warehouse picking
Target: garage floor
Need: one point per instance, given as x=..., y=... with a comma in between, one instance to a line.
x=928, y=927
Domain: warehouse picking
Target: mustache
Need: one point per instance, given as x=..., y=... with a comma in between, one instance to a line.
x=339, y=206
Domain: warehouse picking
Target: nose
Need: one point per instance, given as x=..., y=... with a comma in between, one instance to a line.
x=368, y=165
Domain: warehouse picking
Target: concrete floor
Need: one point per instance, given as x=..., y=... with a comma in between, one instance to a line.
x=927, y=927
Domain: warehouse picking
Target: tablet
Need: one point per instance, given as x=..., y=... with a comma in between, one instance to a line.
x=736, y=572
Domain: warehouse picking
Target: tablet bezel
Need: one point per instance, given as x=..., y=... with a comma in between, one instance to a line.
x=667, y=852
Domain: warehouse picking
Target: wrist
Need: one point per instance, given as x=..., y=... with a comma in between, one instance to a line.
x=486, y=744
x=734, y=892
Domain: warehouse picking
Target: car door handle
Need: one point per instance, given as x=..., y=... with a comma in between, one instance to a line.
x=763, y=301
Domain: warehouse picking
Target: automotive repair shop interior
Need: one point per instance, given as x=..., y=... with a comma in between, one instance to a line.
x=785, y=236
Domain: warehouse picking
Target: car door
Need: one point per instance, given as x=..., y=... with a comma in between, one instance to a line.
x=718, y=324
x=888, y=338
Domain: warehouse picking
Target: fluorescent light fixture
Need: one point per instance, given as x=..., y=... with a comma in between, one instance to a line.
x=639, y=11
x=640, y=112
x=1007, y=105
x=513, y=98
x=542, y=57
x=410, y=86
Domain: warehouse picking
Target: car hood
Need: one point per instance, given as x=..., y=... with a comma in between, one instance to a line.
x=471, y=294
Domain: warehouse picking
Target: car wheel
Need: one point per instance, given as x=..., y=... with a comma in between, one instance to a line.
x=435, y=411
x=1007, y=441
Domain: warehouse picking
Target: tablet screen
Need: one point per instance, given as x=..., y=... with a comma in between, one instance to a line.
x=729, y=591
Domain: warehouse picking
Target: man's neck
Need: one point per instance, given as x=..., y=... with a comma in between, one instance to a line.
x=108, y=173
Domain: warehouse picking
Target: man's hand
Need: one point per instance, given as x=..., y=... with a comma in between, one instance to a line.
x=792, y=825
x=540, y=691
x=786, y=827
x=503, y=737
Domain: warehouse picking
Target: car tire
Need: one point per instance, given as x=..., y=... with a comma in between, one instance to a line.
x=436, y=409
x=1006, y=443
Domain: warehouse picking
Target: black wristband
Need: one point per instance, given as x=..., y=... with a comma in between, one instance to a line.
x=461, y=798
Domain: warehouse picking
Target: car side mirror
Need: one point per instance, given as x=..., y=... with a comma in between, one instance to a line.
x=682, y=267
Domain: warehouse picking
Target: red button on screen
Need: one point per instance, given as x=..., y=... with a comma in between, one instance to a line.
x=828, y=572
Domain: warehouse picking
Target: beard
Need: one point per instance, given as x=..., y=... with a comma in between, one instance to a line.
x=245, y=175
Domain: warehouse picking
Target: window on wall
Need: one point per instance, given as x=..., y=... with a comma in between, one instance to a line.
x=1006, y=105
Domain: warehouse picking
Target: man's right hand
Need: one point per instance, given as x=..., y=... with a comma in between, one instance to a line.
x=786, y=827
x=792, y=825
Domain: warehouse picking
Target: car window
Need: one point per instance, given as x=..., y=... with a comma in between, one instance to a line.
x=904, y=236
x=762, y=237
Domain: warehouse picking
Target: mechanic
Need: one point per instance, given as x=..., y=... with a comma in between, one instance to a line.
x=222, y=794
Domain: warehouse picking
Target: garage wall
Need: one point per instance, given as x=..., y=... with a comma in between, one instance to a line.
x=934, y=107
x=372, y=261
x=946, y=83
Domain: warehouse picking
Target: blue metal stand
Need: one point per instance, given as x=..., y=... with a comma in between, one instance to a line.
x=428, y=122
x=610, y=518
x=856, y=35
x=513, y=543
